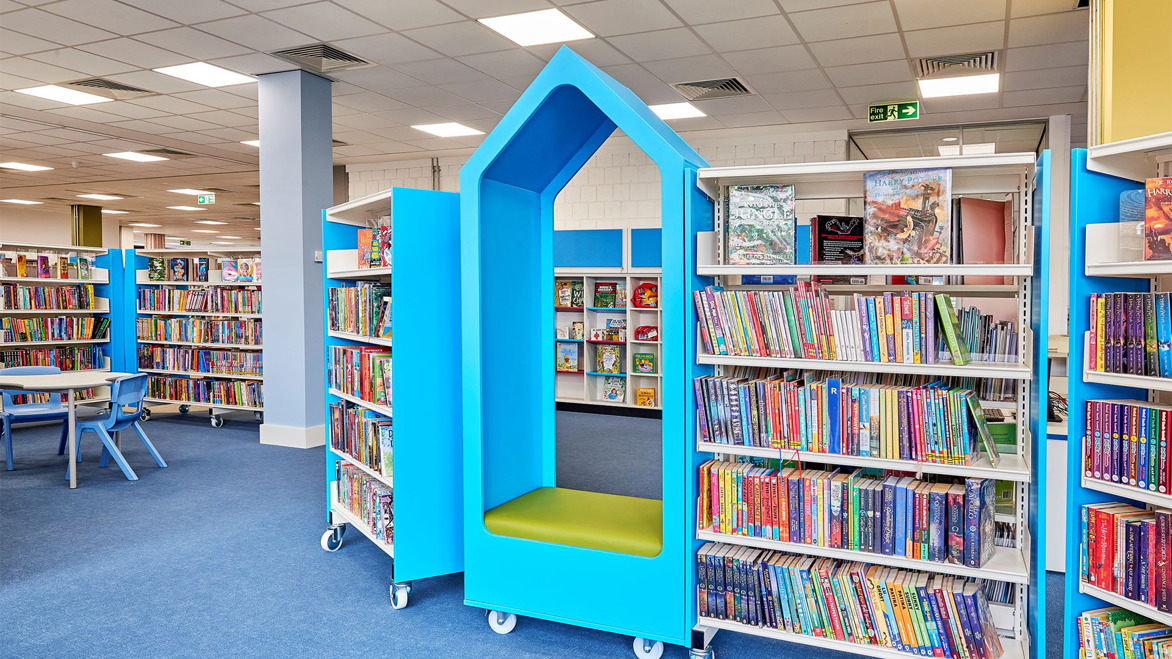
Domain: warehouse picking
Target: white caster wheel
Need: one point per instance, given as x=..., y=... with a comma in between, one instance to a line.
x=145, y=414
x=331, y=540
x=645, y=649
x=501, y=622
x=399, y=593
x=184, y=409
x=217, y=421
x=703, y=654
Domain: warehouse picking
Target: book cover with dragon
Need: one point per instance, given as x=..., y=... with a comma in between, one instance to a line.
x=761, y=221
x=907, y=216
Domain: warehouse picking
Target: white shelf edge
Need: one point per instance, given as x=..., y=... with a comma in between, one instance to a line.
x=359, y=338
x=1007, y=563
x=1124, y=380
x=360, y=273
x=54, y=281
x=1131, y=605
x=1127, y=491
x=974, y=369
x=346, y=457
x=381, y=409
x=1134, y=269
x=217, y=314
x=196, y=375
x=147, y=282
x=350, y=518
x=215, y=406
x=981, y=269
x=1134, y=158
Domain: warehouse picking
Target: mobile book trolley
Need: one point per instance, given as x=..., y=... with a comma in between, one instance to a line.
x=419, y=521
x=1021, y=626
x=520, y=529
x=1107, y=256
x=162, y=322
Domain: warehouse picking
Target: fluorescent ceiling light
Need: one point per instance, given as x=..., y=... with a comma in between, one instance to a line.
x=142, y=224
x=669, y=111
x=189, y=191
x=135, y=156
x=229, y=237
x=21, y=201
x=447, y=130
x=203, y=231
x=949, y=139
x=64, y=95
x=111, y=211
x=185, y=208
x=102, y=197
x=949, y=149
x=216, y=242
x=534, y=28
x=206, y=74
x=255, y=143
x=213, y=222
x=979, y=149
x=256, y=203
x=23, y=167
x=960, y=85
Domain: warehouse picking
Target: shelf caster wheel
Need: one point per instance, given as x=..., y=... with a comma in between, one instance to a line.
x=501, y=622
x=184, y=409
x=703, y=654
x=217, y=421
x=399, y=593
x=645, y=649
x=145, y=414
x=331, y=540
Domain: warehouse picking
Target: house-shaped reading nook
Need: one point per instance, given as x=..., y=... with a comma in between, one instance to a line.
x=532, y=548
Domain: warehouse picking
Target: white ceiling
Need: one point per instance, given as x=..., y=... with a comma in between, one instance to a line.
x=817, y=62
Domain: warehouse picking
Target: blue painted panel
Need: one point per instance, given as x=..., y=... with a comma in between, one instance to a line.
x=122, y=331
x=1094, y=199
x=1039, y=403
x=588, y=248
x=646, y=248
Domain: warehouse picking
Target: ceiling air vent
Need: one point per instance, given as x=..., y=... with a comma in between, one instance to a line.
x=322, y=58
x=109, y=89
x=972, y=62
x=704, y=90
x=169, y=153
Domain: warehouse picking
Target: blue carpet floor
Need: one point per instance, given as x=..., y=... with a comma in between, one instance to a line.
x=218, y=556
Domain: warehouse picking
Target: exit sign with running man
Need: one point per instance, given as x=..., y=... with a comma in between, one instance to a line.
x=893, y=111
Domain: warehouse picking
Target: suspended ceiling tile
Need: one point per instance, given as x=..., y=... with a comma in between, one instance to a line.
x=733, y=105
x=787, y=81
x=829, y=113
x=890, y=91
x=482, y=90
x=369, y=102
x=597, y=51
x=256, y=32
x=613, y=17
x=464, y=112
x=403, y=14
x=226, y=118
x=1046, y=57
x=805, y=5
x=1052, y=28
x=136, y=53
x=424, y=97
x=456, y=39
x=364, y=121
x=129, y=110
x=378, y=79
x=798, y=100
x=874, y=73
x=481, y=9
x=188, y=12
x=701, y=67
x=1042, y=78
x=1034, y=7
x=9, y=81
x=749, y=33
x=661, y=44
x=771, y=60
x=843, y=22
x=193, y=43
x=324, y=21
x=859, y=50
x=387, y=48
x=1044, y=96
x=109, y=15
x=504, y=63
x=87, y=114
x=22, y=44
x=640, y=81
x=156, y=82
x=44, y=25
x=956, y=39
x=170, y=104
x=705, y=11
x=766, y=118
x=440, y=71
x=216, y=98
x=184, y=123
x=921, y=14
x=78, y=60
x=970, y=103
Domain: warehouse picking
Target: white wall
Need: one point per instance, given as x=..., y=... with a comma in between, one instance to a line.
x=48, y=226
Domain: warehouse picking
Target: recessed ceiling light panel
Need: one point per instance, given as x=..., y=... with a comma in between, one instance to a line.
x=213, y=222
x=24, y=202
x=206, y=74
x=64, y=95
x=135, y=156
x=142, y=224
x=23, y=167
x=100, y=197
x=960, y=85
x=255, y=143
x=111, y=211
x=669, y=111
x=203, y=231
x=190, y=191
x=535, y=28
x=185, y=208
x=447, y=130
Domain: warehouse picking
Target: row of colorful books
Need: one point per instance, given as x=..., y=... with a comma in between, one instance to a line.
x=930, y=615
x=199, y=360
x=66, y=358
x=1131, y=333
x=894, y=515
x=928, y=423
x=206, y=391
x=245, y=331
x=213, y=299
x=1127, y=443
x=64, y=297
x=368, y=499
x=985, y=339
x=59, y=328
x=363, y=309
x=181, y=268
x=1115, y=633
x=1126, y=550
x=374, y=247
x=363, y=434
x=47, y=265
x=362, y=372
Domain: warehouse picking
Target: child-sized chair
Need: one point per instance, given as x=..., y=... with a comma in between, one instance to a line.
x=126, y=394
x=14, y=413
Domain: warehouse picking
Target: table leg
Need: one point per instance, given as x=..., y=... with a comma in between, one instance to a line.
x=72, y=442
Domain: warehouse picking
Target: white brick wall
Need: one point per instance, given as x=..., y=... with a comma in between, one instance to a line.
x=619, y=185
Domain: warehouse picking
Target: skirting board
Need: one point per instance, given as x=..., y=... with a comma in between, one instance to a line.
x=291, y=436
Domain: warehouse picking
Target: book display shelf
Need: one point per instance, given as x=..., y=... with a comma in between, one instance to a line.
x=196, y=318
x=1015, y=567
x=386, y=255
x=59, y=307
x=1114, y=382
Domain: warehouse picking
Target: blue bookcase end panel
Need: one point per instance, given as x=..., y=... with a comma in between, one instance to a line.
x=646, y=250
x=588, y=248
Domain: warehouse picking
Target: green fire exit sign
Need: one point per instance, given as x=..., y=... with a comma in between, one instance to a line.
x=206, y=199
x=893, y=111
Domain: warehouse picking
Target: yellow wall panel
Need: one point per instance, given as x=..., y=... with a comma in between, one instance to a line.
x=1136, y=68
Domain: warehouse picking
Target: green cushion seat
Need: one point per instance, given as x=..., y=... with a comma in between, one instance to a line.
x=609, y=522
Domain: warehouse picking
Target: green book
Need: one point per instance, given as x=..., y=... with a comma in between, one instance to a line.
x=951, y=325
x=982, y=427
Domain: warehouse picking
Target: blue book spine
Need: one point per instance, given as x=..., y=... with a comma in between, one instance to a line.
x=872, y=320
x=834, y=410
x=864, y=422
x=936, y=528
x=970, y=632
x=1143, y=448
x=901, y=506
x=888, y=511
x=1164, y=334
x=795, y=517
x=889, y=614
x=1125, y=444
x=930, y=623
x=865, y=328
x=975, y=621
x=972, y=522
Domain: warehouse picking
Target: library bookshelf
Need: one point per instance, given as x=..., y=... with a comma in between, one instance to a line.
x=425, y=514
x=157, y=330
x=571, y=386
x=61, y=296
x=1106, y=256
x=1022, y=178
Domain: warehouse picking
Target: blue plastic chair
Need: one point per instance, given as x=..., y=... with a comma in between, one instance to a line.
x=14, y=413
x=126, y=399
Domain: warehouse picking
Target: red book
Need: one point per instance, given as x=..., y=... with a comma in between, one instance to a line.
x=831, y=607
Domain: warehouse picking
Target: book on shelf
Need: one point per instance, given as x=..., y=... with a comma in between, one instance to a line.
x=1130, y=333
x=227, y=300
x=605, y=294
x=362, y=372
x=1158, y=219
x=907, y=216
x=644, y=362
x=363, y=309
x=156, y=268
x=65, y=297
x=918, y=613
x=577, y=330
x=43, y=266
x=205, y=391
x=646, y=296
x=368, y=499
x=931, y=422
x=563, y=293
x=228, y=270
x=363, y=434
x=1116, y=633
x=67, y=358
x=952, y=332
x=567, y=357
x=60, y=328
x=179, y=269
x=1127, y=443
x=609, y=358
x=614, y=389
x=951, y=521
x=645, y=397
x=837, y=239
x=244, y=332
x=201, y=360
x=561, y=332
x=244, y=269
x=760, y=224
x=199, y=269
x=1125, y=550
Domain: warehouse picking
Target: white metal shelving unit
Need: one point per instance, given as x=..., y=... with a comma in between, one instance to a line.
x=1002, y=174
x=214, y=281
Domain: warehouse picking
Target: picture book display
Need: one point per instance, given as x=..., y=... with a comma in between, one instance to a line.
x=1158, y=219
x=836, y=239
x=647, y=333
x=363, y=309
x=244, y=270
x=368, y=499
x=61, y=296
x=156, y=269
x=609, y=359
x=207, y=391
x=374, y=247
x=178, y=271
x=645, y=397
x=1125, y=550
x=564, y=291
x=646, y=296
x=243, y=332
x=1113, y=632
x=851, y=509
x=760, y=223
x=362, y=372
x=199, y=269
x=614, y=389
x=199, y=360
x=1130, y=333
x=907, y=216
x=364, y=435
x=1127, y=443
x=922, y=614
x=16, y=329
x=644, y=362
x=577, y=331
x=567, y=357
x=228, y=270
x=605, y=294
